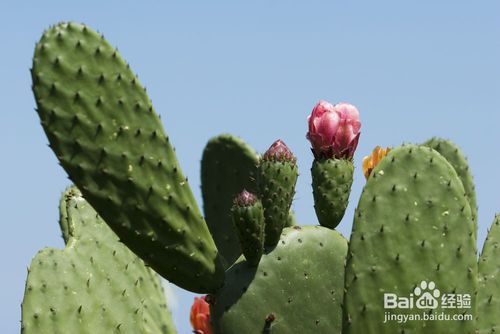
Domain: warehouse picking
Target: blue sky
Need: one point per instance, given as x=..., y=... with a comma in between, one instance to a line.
x=414, y=69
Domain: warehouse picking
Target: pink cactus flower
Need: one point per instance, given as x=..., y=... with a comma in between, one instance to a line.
x=334, y=130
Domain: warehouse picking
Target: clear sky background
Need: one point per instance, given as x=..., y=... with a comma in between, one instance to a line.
x=415, y=69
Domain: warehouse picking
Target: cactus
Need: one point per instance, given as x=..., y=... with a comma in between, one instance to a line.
x=414, y=221
x=457, y=159
x=331, y=183
x=102, y=128
x=334, y=134
x=248, y=217
x=277, y=176
x=94, y=285
x=297, y=287
x=488, y=297
x=291, y=220
x=414, y=231
x=228, y=166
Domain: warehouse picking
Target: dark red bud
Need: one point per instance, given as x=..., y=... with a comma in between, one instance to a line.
x=279, y=152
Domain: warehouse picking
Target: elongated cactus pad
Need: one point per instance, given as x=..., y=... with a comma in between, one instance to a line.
x=413, y=224
x=95, y=285
x=331, y=183
x=248, y=217
x=297, y=287
x=102, y=128
x=488, y=297
x=457, y=159
x=276, y=179
x=228, y=166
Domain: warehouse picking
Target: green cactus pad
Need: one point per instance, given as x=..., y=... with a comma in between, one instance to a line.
x=249, y=222
x=102, y=128
x=276, y=180
x=299, y=284
x=228, y=166
x=331, y=183
x=94, y=285
x=63, y=213
x=413, y=224
x=457, y=159
x=488, y=297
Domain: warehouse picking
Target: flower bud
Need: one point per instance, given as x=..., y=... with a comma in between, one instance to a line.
x=200, y=316
x=245, y=198
x=278, y=151
x=372, y=160
x=334, y=130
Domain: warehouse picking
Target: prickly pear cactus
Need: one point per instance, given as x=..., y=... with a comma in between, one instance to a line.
x=277, y=176
x=94, y=285
x=104, y=131
x=413, y=238
x=488, y=297
x=297, y=287
x=248, y=217
x=413, y=224
x=228, y=166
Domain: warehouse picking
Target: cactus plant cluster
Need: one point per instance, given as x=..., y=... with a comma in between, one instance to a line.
x=131, y=211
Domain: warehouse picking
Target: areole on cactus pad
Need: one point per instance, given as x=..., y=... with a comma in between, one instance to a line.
x=414, y=227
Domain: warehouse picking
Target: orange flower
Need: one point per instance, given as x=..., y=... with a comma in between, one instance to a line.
x=200, y=316
x=372, y=160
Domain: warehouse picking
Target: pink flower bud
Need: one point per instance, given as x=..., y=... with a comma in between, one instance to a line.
x=334, y=130
x=245, y=198
x=279, y=152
